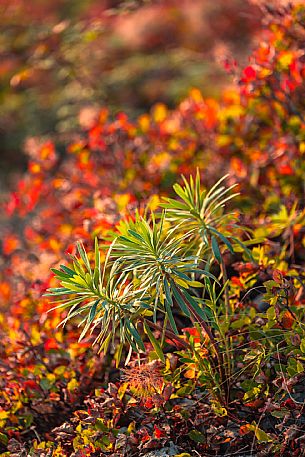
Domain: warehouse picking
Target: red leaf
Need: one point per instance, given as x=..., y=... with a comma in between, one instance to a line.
x=31, y=385
x=286, y=170
x=249, y=74
x=158, y=432
x=51, y=343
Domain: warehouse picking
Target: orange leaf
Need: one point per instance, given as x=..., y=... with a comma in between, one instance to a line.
x=287, y=319
x=244, y=429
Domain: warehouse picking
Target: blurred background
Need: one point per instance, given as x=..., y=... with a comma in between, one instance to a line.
x=61, y=59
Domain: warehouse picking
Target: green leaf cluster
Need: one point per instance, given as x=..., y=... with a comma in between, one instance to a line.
x=156, y=266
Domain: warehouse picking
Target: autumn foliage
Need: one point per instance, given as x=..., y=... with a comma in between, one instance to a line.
x=59, y=396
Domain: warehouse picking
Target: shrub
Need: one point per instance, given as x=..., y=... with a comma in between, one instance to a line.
x=152, y=265
x=119, y=170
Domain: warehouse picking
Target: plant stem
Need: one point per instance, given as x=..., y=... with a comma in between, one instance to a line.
x=196, y=318
x=226, y=292
x=229, y=312
x=164, y=329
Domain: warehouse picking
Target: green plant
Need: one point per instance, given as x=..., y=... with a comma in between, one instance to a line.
x=155, y=267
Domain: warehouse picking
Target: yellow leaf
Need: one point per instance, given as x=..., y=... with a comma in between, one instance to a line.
x=286, y=59
x=302, y=147
x=131, y=427
x=223, y=140
x=218, y=409
x=159, y=112
x=122, y=390
x=181, y=282
x=154, y=202
x=259, y=433
x=122, y=200
x=195, y=284
x=72, y=385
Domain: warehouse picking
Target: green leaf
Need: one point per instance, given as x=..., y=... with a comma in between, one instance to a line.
x=170, y=203
x=203, y=272
x=97, y=256
x=73, y=287
x=170, y=316
x=154, y=342
x=100, y=425
x=302, y=345
x=280, y=414
x=197, y=436
x=3, y=440
x=222, y=237
x=58, y=291
x=78, y=267
x=181, y=275
x=60, y=274
x=195, y=305
x=83, y=255
x=243, y=247
x=67, y=270
x=167, y=292
x=180, y=300
x=262, y=436
x=45, y=384
x=96, y=277
x=181, y=193
x=215, y=249
x=131, y=341
x=79, y=280
x=136, y=235
x=118, y=354
x=105, y=343
x=93, y=311
x=135, y=334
